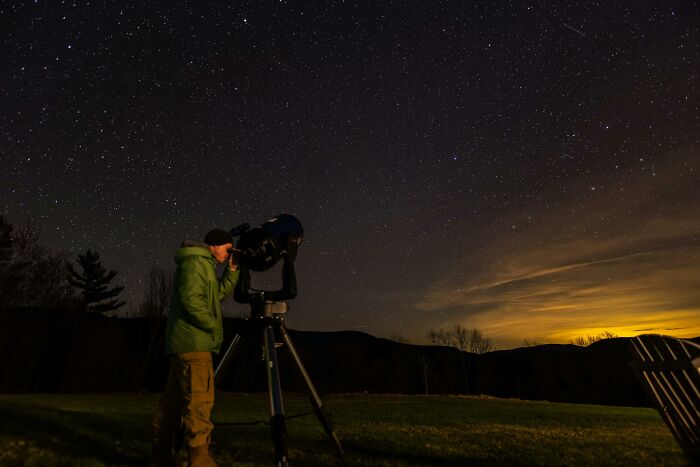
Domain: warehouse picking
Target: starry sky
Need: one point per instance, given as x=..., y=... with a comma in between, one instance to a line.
x=526, y=168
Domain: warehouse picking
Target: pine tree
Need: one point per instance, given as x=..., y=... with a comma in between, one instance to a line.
x=93, y=281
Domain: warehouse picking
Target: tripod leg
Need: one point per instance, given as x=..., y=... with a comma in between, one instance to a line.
x=313, y=395
x=230, y=351
x=274, y=390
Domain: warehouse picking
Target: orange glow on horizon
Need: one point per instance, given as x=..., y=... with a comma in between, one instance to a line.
x=582, y=274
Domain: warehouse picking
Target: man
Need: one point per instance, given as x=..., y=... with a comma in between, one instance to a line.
x=194, y=330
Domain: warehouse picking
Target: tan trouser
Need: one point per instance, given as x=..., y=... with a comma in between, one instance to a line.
x=185, y=406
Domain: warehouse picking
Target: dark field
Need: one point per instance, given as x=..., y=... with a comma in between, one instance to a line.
x=113, y=429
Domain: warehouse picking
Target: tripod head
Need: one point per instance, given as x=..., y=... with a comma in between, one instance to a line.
x=260, y=248
x=244, y=293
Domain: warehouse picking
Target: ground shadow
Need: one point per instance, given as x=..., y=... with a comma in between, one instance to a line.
x=74, y=435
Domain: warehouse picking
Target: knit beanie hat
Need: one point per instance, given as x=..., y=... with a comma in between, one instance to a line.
x=218, y=237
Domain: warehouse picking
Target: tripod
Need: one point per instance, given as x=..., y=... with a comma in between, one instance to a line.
x=267, y=317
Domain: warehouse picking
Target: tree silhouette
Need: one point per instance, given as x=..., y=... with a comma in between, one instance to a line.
x=589, y=339
x=400, y=338
x=93, y=282
x=157, y=294
x=5, y=241
x=13, y=266
x=8, y=274
x=469, y=340
x=153, y=311
x=30, y=274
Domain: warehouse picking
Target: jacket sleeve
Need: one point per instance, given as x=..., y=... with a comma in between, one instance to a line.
x=228, y=282
x=192, y=288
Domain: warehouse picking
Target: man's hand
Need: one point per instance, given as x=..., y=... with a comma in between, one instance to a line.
x=232, y=266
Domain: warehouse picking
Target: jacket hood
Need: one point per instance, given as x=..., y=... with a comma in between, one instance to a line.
x=191, y=248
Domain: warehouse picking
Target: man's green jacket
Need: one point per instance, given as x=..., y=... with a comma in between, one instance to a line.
x=194, y=321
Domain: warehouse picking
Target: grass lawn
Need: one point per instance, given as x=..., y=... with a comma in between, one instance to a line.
x=376, y=430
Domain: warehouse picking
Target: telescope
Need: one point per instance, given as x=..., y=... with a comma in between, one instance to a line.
x=259, y=249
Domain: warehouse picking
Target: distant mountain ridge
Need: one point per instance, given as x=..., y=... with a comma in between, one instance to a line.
x=65, y=351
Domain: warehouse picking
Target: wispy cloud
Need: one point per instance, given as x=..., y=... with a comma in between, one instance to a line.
x=627, y=261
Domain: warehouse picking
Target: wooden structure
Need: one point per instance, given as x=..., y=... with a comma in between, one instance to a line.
x=669, y=370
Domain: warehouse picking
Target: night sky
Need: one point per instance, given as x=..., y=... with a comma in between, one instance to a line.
x=526, y=168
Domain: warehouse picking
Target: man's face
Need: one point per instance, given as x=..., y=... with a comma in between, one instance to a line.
x=220, y=252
